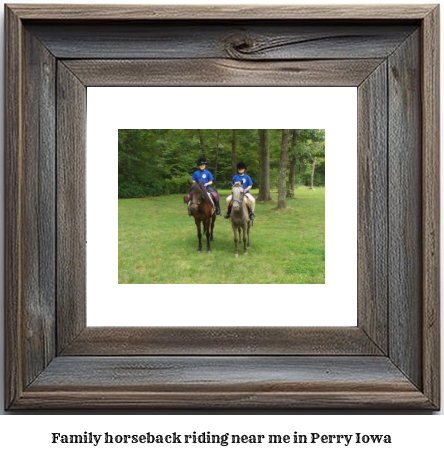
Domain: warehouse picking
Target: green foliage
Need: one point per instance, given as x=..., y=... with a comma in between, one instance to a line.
x=158, y=162
x=176, y=185
x=319, y=176
x=131, y=190
x=311, y=145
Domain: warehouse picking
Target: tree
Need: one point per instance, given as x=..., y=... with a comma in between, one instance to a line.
x=283, y=170
x=293, y=159
x=313, y=166
x=217, y=156
x=264, y=166
x=234, y=153
x=318, y=152
x=202, y=143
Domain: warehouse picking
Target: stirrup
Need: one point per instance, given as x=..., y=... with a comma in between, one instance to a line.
x=227, y=215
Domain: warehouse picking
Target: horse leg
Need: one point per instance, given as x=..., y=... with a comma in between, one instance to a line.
x=244, y=237
x=199, y=235
x=236, y=239
x=213, y=219
x=207, y=234
x=248, y=234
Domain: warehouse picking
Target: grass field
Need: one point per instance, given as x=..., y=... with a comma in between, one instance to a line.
x=158, y=243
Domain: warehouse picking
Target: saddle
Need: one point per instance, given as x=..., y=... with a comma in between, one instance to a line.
x=212, y=201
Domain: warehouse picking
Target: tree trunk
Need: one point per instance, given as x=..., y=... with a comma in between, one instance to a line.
x=283, y=170
x=217, y=156
x=312, y=174
x=202, y=143
x=234, y=152
x=291, y=177
x=264, y=170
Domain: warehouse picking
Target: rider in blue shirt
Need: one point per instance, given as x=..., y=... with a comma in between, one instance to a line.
x=247, y=183
x=206, y=178
x=244, y=179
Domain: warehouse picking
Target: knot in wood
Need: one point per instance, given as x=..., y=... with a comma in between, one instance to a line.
x=238, y=46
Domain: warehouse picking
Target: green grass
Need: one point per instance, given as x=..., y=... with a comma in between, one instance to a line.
x=158, y=243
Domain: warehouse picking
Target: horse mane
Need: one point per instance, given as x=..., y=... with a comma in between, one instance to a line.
x=194, y=186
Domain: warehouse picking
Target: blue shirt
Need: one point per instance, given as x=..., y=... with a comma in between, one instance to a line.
x=202, y=176
x=245, y=180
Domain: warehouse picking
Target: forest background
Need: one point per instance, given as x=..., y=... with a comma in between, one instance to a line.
x=160, y=162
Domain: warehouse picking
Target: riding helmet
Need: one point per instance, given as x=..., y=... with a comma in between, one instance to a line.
x=241, y=165
x=202, y=161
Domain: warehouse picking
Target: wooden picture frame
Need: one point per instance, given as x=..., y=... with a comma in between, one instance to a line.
x=390, y=360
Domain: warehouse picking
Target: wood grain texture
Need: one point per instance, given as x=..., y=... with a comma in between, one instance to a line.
x=38, y=214
x=210, y=373
x=128, y=341
x=372, y=207
x=405, y=209
x=71, y=206
x=13, y=209
x=431, y=207
x=220, y=12
x=246, y=401
x=209, y=72
x=234, y=382
x=258, y=40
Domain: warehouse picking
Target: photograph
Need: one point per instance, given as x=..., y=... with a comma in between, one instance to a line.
x=256, y=194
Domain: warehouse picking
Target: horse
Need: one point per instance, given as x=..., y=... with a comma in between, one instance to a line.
x=203, y=212
x=240, y=220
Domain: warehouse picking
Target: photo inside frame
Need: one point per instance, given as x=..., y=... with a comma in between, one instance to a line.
x=136, y=275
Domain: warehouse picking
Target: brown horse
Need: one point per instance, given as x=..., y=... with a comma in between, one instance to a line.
x=203, y=212
x=240, y=220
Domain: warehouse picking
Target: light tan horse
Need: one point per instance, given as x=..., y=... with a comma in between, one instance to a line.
x=240, y=220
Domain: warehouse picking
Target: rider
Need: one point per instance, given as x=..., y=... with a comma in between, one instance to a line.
x=204, y=176
x=247, y=183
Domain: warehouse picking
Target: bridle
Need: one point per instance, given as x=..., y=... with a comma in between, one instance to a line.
x=240, y=201
x=202, y=197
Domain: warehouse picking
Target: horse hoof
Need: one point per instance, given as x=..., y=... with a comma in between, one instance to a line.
x=199, y=251
x=245, y=253
x=209, y=251
x=236, y=255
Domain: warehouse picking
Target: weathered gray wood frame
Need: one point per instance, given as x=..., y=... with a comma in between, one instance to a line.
x=390, y=360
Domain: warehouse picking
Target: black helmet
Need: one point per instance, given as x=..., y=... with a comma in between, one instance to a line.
x=202, y=161
x=241, y=165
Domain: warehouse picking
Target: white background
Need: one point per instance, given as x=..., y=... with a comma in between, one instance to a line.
x=330, y=304
x=415, y=433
